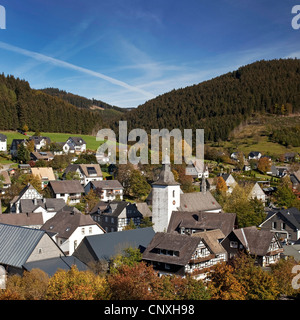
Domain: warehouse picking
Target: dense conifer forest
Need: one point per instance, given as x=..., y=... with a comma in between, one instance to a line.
x=20, y=105
x=221, y=104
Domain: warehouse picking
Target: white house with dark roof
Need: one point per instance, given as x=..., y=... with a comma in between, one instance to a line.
x=69, y=190
x=74, y=145
x=29, y=192
x=3, y=142
x=181, y=255
x=108, y=190
x=68, y=228
x=39, y=142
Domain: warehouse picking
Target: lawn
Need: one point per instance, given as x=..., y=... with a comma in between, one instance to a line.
x=91, y=142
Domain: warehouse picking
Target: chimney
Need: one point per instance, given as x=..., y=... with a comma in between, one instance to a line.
x=35, y=201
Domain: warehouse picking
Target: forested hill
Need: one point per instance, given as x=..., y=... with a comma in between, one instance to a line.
x=79, y=101
x=20, y=105
x=221, y=104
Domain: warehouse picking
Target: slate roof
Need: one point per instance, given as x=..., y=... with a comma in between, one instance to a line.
x=292, y=215
x=3, y=137
x=50, y=266
x=202, y=221
x=105, y=246
x=256, y=241
x=78, y=141
x=17, y=243
x=107, y=184
x=198, y=201
x=166, y=177
x=22, y=219
x=185, y=245
x=66, y=186
x=49, y=204
x=64, y=223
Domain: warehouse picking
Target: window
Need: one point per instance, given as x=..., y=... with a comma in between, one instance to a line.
x=75, y=244
x=106, y=219
x=233, y=244
x=282, y=226
x=82, y=231
x=40, y=251
x=274, y=225
x=173, y=193
x=167, y=266
x=112, y=220
x=90, y=230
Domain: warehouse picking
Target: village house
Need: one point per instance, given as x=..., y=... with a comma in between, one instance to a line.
x=117, y=215
x=48, y=207
x=295, y=179
x=40, y=142
x=6, y=182
x=85, y=172
x=104, y=247
x=3, y=142
x=21, y=245
x=29, y=220
x=178, y=254
x=42, y=155
x=29, y=192
x=69, y=190
x=68, y=228
x=189, y=223
x=15, y=146
x=109, y=190
x=257, y=193
x=74, y=145
x=197, y=169
x=285, y=223
x=262, y=245
x=254, y=155
x=45, y=174
x=229, y=180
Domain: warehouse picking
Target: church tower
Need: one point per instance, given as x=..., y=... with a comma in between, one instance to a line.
x=165, y=197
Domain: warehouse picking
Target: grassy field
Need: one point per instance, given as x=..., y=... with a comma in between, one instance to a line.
x=91, y=142
x=254, y=136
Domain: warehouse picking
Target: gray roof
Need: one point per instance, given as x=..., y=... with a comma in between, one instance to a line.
x=50, y=204
x=166, y=177
x=202, y=221
x=17, y=243
x=50, y=266
x=105, y=246
x=292, y=215
x=3, y=137
x=22, y=219
x=256, y=241
x=185, y=245
x=292, y=251
x=66, y=186
x=107, y=184
x=198, y=201
x=64, y=223
x=78, y=141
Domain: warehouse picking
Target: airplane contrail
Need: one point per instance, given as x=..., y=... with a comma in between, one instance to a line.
x=67, y=65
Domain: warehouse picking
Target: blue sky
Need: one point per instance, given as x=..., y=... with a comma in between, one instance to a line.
x=126, y=52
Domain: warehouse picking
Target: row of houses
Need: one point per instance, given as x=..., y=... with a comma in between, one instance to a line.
x=191, y=233
x=74, y=145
